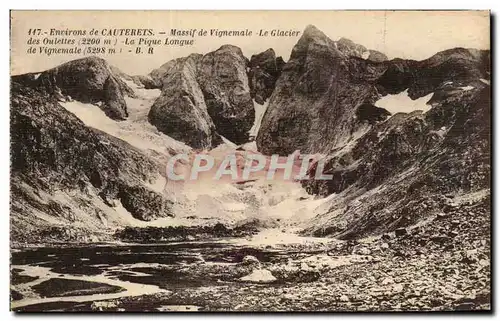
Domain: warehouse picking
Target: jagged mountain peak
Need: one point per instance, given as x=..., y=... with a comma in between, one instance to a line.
x=312, y=32
x=229, y=48
x=87, y=60
x=313, y=37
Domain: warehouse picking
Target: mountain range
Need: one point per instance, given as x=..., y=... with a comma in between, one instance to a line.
x=89, y=143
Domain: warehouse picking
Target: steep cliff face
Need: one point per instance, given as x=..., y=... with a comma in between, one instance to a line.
x=67, y=176
x=222, y=75
x=314, y=104
x=89, y=80
x=180, y=111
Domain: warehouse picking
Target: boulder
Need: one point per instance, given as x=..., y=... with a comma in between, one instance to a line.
x=250, y=260
x=400, y=231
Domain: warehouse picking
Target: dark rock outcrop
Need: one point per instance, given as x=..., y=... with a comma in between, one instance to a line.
x=180, y=111
x=89, y=80
x=222, y=76
x=371, y=114
x=313, y=106
x=409, y=161
x=264, y=70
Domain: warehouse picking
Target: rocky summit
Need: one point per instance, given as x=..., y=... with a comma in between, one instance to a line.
x=74, y=174
x=223, y=78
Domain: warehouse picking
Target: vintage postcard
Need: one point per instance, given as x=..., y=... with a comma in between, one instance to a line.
x=298, y=161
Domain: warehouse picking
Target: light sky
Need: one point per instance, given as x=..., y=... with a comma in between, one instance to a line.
x=405, y=34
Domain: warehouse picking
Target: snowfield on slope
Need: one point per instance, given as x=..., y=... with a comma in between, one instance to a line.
x=135, y=130
x=260, y=110
x=402, y=103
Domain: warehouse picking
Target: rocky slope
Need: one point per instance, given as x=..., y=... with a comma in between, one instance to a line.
x=69, y=181
x=89, y=80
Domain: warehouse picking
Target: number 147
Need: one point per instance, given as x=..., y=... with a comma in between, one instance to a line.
x=34, y=32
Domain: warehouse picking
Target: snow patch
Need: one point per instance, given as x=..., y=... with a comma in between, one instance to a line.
x=259, y=276
x=487, y=82
x=259, y=114
x=365, y=55
x=274, y=236
x=402, y=103
x=467, y=88
x=135, y=130
x=141, y=91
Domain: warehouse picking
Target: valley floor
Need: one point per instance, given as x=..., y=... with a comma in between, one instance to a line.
x=442, y=265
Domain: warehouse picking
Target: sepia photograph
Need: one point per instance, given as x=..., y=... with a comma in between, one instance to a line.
x=250, y=161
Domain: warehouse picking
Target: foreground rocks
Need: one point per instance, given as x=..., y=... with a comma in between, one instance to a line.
x=411, y=271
